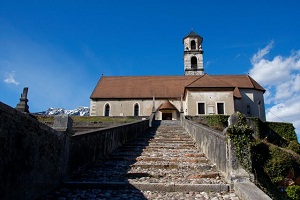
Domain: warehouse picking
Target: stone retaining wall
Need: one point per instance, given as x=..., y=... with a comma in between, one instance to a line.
x=31, y=156
x=35, y=159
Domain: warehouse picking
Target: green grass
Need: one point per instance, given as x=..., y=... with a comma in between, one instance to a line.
x=92, y=119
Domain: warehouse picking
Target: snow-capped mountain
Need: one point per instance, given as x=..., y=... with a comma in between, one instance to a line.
x=80, y=111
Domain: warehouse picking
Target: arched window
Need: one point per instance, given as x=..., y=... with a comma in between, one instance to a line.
x=193, y=44
x=194, y=62
x=248, y=109
x=107, y=110
x=136, y=110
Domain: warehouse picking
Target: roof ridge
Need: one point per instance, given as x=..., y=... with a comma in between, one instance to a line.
x=248, y=77
x=254, y=83
x=195, y=80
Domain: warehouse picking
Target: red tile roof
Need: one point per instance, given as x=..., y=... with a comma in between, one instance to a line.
x=167, y=106
x=164, y=87
x=207, y=81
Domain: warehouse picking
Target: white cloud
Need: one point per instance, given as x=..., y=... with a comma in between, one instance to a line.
x=280, y=76
x=10, y=78
x=262, y=52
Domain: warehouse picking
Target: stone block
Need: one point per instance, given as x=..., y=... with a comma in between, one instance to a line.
x=63, y=123
x=249, y=191
x=233, y=119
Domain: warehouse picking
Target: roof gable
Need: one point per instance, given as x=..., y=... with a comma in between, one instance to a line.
x=167, y=106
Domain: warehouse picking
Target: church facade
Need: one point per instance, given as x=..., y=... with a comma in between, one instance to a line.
x=194, y=94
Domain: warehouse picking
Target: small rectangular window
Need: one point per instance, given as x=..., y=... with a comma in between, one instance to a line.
x=220, y=107
x=201, y=108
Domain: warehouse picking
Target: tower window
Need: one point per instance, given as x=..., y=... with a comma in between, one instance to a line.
x=194, y=62
x=107, y=110
x=136, y=110
x=193, y=44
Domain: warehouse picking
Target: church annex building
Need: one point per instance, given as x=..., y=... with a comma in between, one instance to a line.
x=193, y=94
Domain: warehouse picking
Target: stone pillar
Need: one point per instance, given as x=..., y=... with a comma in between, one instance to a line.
x=181, y=104
x=235, y=172
x=153, y=106
x=22, y=105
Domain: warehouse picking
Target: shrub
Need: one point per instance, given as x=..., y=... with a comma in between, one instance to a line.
x=278, y=165
x=284, y=130
x=293, y=192
x=241, y=136
x=220, y=121
x=294, y=146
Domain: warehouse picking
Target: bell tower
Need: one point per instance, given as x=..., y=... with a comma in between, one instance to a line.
x=193, y=54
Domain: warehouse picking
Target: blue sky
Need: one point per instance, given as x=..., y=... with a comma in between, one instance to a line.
x=59, y=49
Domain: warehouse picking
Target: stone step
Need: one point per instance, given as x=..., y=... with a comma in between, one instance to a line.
x=136, y=194
x=170, y=141
x=206, y=175
x=191, y=158
x=162, y=187
x=168, y=165
x=165, y=164
x=155, y=159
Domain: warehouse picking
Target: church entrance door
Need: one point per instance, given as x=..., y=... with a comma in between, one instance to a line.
x=166, y=116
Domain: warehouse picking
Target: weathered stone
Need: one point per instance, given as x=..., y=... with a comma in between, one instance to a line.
x=233, y=119
x=22, y=105
x=35, y=158
x=249, y=191
x=63, y=123
x=32, y=155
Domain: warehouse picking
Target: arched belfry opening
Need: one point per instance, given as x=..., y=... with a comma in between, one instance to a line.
x=194, y=62
x=193, y=44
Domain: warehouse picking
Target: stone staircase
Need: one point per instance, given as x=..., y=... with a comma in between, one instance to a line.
x=163, y=163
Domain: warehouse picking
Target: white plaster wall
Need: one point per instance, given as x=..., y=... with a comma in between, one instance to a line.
x=251, y=97
x=210, y=99
x=126, y=107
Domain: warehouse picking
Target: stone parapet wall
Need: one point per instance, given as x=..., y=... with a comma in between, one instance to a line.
x=86, y=147
x=35, y=159
x=31, y=156
x=210, y=142
x=219, y=149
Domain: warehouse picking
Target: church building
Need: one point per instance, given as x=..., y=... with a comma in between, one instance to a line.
x=194, y=94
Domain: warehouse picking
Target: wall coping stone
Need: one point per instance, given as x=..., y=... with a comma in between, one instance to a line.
x=249, y=191
x=97, y=130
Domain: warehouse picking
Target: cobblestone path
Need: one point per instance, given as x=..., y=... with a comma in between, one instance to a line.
x=163, y=163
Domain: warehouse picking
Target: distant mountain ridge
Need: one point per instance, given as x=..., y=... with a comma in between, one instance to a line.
x=80, y=111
